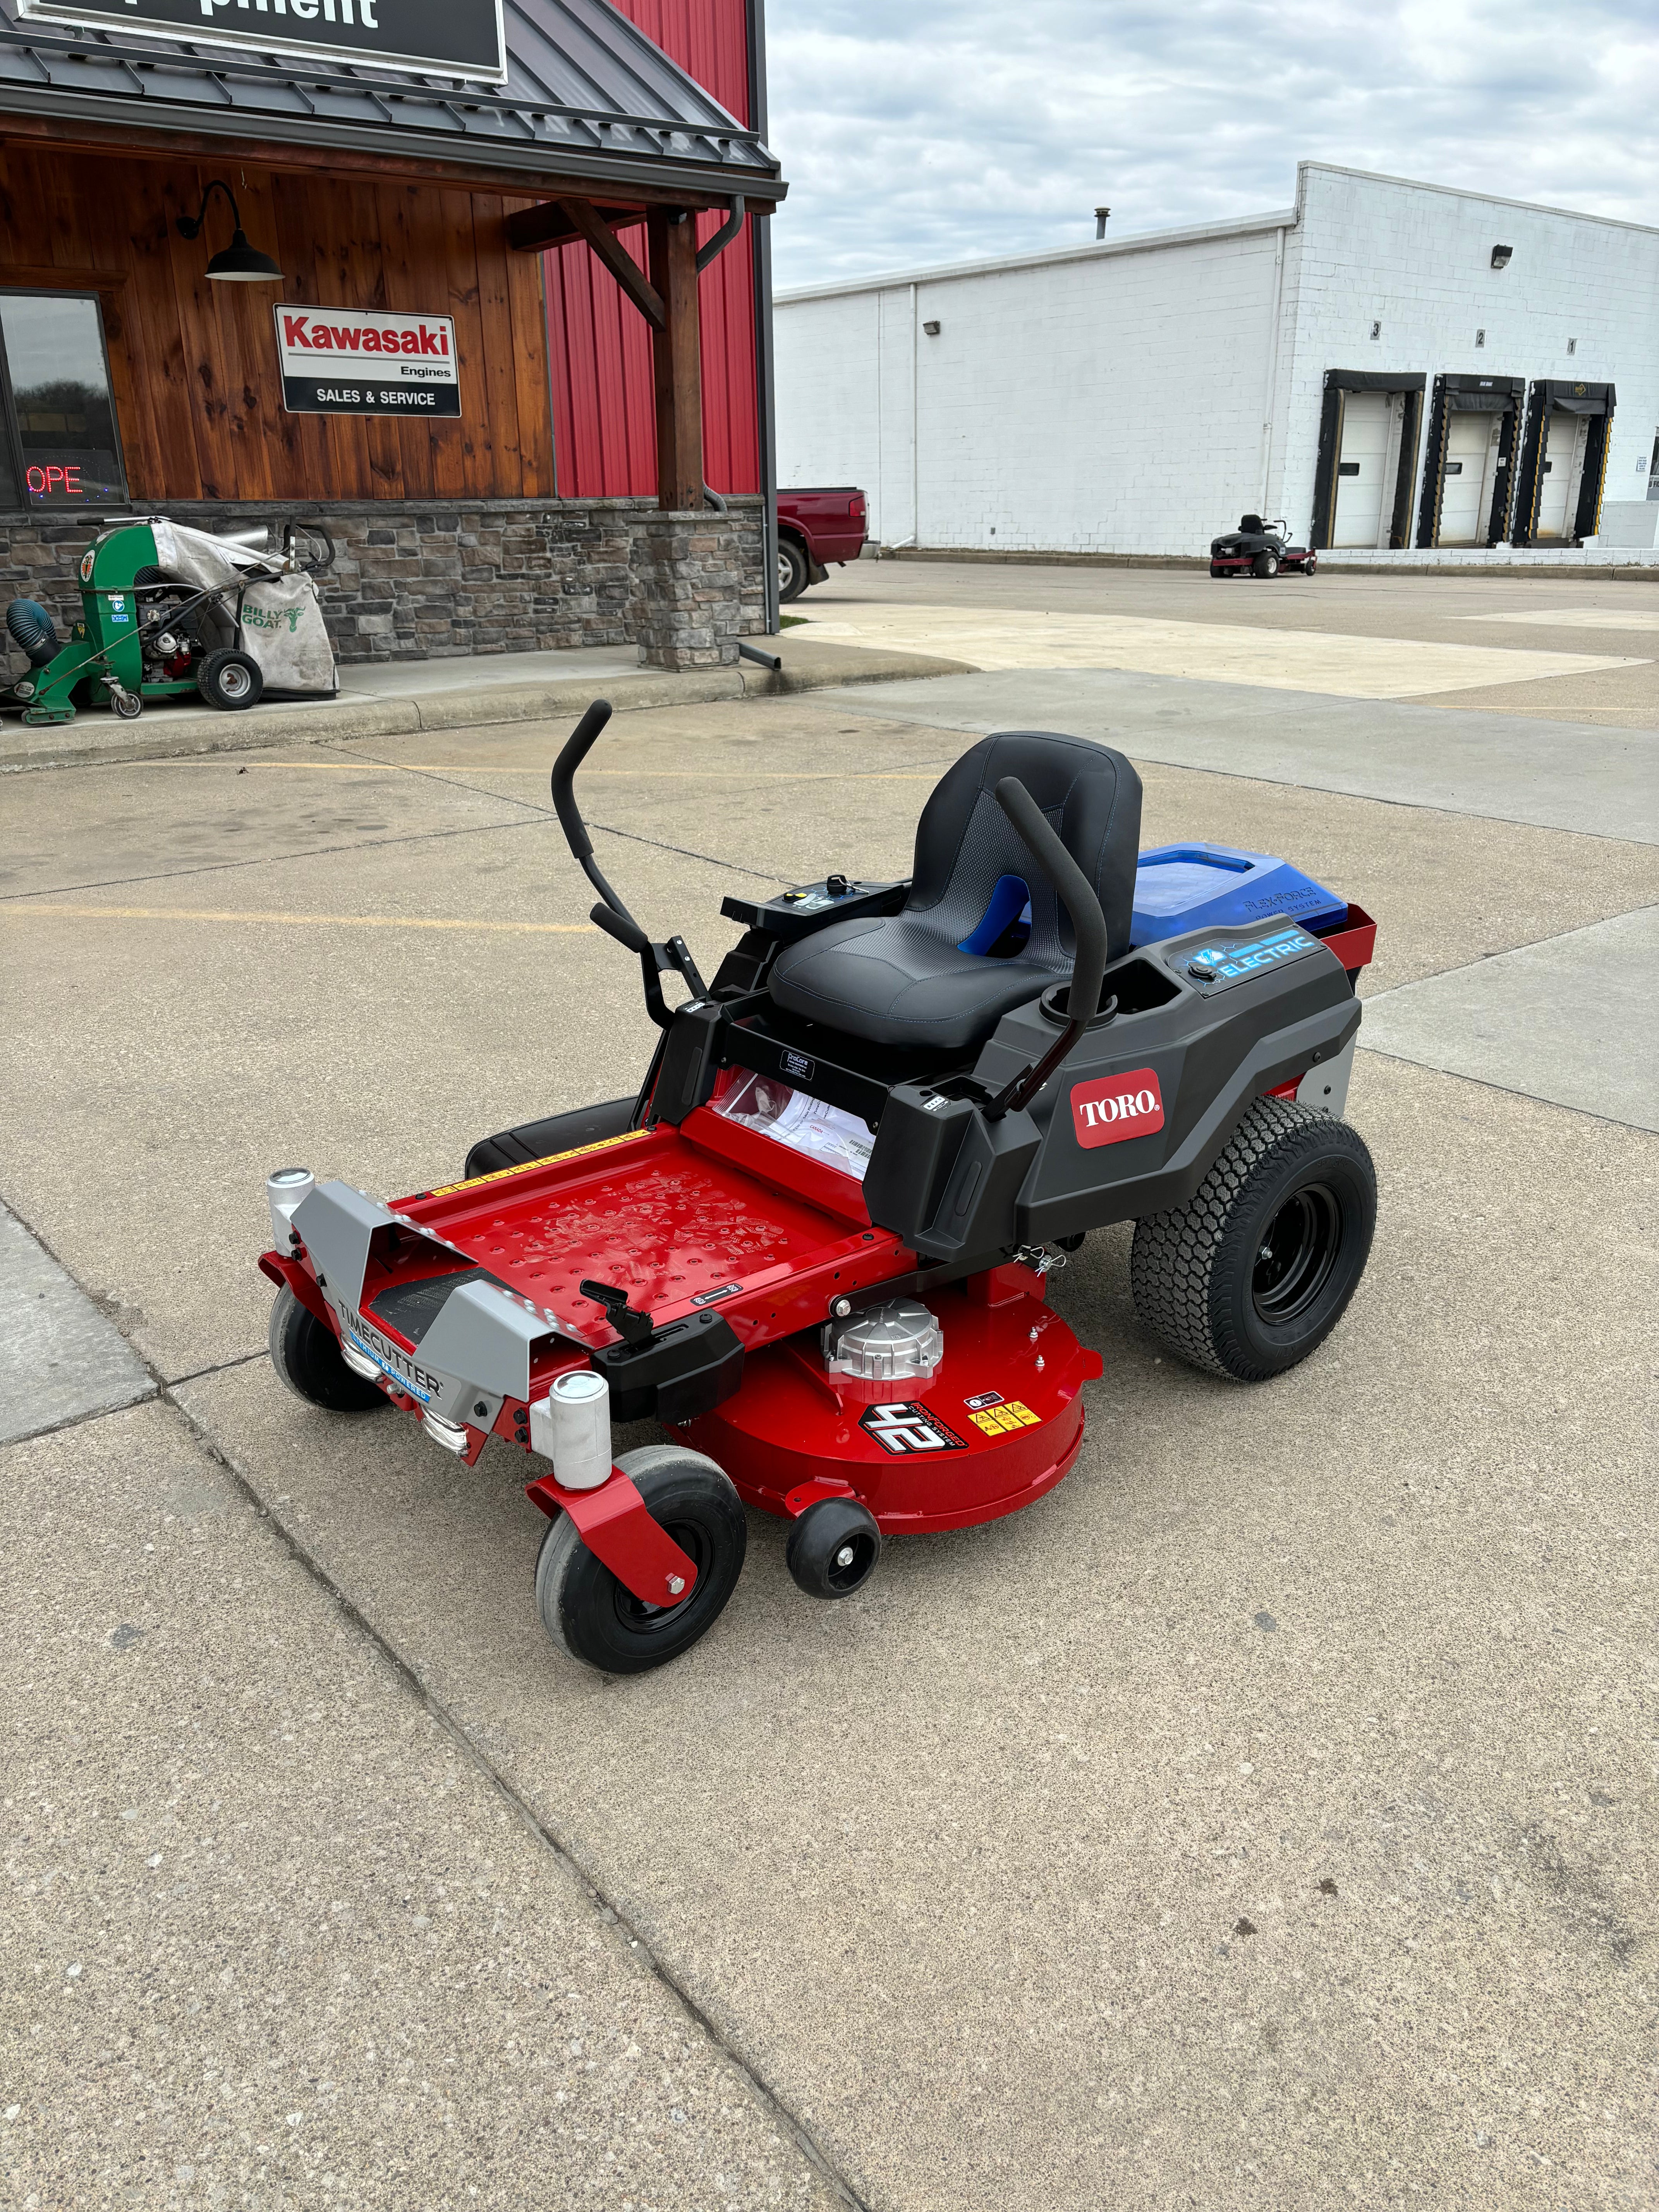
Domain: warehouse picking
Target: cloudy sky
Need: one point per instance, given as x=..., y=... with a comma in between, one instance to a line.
x=915, y=131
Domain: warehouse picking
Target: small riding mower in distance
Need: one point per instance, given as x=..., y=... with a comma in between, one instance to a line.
x=1260, y=549
x=816, y=1244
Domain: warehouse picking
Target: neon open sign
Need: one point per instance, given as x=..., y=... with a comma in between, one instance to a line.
x=457, y=37
x=51, y=480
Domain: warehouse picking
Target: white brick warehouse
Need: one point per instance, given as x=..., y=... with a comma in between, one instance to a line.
x=1356, y=364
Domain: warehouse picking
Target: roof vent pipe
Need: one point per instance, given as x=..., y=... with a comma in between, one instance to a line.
x=1101, y=215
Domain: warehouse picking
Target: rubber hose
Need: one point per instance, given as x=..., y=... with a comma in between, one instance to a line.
x=30, y=628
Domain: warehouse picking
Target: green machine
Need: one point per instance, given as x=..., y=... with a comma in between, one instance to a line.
x=151, y=631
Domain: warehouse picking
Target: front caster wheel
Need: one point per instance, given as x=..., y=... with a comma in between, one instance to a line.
x=833, y=1548
x=589, y=1614
x=305, y=1353
x=1256, y=1269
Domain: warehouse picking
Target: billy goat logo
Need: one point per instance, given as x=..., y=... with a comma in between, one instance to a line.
x=271, y=618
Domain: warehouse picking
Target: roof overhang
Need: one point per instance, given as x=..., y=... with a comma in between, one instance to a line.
x=645, y=129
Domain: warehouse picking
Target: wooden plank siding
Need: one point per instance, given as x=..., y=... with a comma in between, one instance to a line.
x=193, y=364
x=604, y=412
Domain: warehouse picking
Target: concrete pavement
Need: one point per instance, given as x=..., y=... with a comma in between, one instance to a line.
x=1559, y=774
x=1263, y=1818
x=64, y=1358
x=1374, y=628
x=274, y=1936
x=383, y=699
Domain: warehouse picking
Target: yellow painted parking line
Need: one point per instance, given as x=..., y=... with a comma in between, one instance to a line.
x=295, y=921
x=505, y=767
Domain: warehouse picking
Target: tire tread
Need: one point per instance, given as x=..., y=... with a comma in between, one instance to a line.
x=1173, y=1258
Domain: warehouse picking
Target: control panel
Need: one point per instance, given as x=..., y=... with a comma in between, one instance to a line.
x=795, y=913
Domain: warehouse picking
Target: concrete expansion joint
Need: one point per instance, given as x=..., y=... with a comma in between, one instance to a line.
x=636, y=1944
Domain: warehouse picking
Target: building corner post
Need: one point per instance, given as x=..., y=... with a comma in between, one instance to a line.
x=676, y=359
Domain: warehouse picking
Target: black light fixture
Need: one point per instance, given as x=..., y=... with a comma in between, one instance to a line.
x=239, y=263
x=1501, y=255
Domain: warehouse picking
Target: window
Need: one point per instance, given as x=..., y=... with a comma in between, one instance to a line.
x=60, y=448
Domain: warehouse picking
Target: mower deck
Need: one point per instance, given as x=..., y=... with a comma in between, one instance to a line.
x=1000, y=1422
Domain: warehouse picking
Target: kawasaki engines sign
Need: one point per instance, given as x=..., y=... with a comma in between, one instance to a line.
x=335, y=362
x=452, y=38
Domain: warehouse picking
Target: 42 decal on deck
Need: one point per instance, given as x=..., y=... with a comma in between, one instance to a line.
x=909, y=1428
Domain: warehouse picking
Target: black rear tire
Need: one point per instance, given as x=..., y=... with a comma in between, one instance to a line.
x=833, y=1548
x=305, y=1353
x=230, y=680
x=794, y=573
x=1265, y=564
x=587, y=1612
x=1256, y=1269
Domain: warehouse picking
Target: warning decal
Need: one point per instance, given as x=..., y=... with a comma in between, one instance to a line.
x=999, y=1420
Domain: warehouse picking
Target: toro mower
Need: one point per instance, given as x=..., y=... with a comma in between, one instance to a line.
x=816, y=1244
x=1260, y=549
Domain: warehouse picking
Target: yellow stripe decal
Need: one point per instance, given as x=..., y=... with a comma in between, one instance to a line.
x=500, y=1175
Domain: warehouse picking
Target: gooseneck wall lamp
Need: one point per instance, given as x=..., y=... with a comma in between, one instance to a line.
x=239, y=263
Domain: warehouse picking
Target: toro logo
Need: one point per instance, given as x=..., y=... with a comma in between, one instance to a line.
x=1118, y=1107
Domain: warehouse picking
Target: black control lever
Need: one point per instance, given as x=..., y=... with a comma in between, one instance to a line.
x=611, y=915
x=632, y=1325
x=575, y=750
x=1076, y=894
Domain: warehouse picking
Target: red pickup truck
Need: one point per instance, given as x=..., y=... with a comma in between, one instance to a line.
x=815, y=527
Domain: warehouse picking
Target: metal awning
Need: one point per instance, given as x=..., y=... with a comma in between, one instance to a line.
x=586, y=95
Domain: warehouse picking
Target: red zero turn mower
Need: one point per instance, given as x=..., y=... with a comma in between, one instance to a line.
x=815, y=1246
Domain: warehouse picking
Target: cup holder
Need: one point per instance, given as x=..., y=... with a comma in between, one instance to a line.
x=1054, y=1006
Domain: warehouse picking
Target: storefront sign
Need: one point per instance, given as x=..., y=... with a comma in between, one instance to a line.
x=454, y=38
x=335, y=362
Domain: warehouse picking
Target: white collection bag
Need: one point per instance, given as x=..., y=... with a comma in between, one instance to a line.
x=283, y=626
x=283, y=630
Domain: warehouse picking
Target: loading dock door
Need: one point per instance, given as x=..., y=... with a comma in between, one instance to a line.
x=1563, y=462
x=1466, y=500
x=1369, y=426
x=1360, y=469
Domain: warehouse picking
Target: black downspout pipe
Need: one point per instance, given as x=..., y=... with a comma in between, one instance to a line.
x=765, y=391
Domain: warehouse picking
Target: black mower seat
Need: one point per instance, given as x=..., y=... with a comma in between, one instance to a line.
x=928, y=976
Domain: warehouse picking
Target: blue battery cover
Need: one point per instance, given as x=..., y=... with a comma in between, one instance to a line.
x=1183, y=887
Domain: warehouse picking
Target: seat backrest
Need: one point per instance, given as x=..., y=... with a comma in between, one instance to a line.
x=965, y=842
x=1251, y=523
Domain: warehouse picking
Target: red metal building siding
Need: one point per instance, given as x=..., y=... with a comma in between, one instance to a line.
x=604, y=437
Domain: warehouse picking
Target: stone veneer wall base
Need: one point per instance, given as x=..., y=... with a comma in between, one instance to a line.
x=431, y=579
